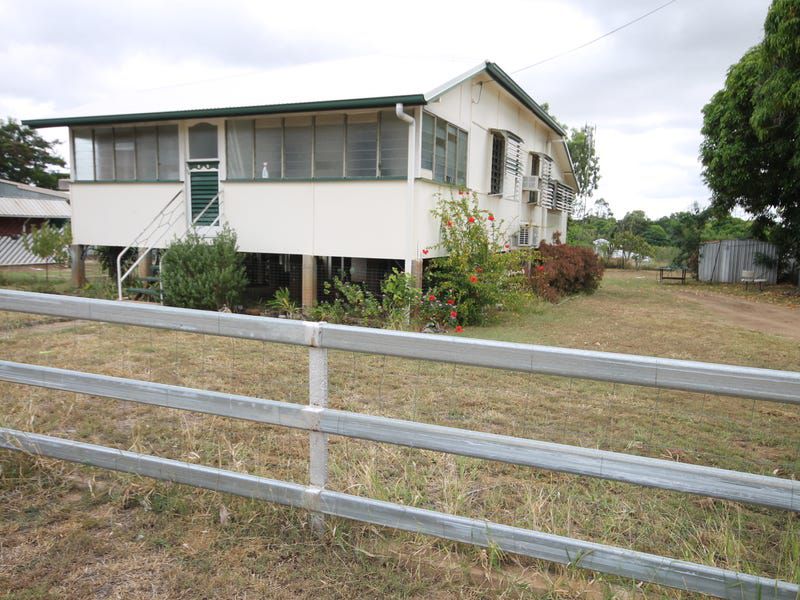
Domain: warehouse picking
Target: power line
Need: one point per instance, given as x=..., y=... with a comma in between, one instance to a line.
x=597, y=39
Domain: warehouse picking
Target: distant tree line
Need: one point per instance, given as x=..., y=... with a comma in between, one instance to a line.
x=638, y=235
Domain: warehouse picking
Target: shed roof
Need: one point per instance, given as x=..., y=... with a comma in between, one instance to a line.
x=21, y=200
x=366, y=82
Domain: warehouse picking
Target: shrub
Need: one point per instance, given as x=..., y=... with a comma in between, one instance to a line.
x=564, y=270
x=477, y=270
x=107, y=257
x=283, y=304
x=203, y=274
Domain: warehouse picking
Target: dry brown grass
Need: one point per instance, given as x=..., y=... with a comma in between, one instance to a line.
x=70, y=531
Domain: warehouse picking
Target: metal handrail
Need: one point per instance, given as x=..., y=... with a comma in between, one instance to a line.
x=131, y=245
x=161, y=237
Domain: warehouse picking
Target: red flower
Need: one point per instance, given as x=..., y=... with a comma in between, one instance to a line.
x=425, y=251
x=473, y=279
x=451, y=302
x=449, y=223
x=459, y=329
x=471, y=219
x=453, y=314
x=491, y=217
x=431, y=298
x=540, y=268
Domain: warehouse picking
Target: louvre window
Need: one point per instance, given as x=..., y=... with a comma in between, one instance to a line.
x=126, y=153
x=506, y=167
x=362, y=145
x=146, y=153
x=393, y=145
x=428, y=123
x=329, y=146
x=368, y=145
x=269, y=149
x=498, y=164
x=444, y=150
x=239, y=143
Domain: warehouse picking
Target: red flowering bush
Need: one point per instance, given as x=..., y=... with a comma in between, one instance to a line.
x=476, y=272
x=565, y=270
x=438, y=313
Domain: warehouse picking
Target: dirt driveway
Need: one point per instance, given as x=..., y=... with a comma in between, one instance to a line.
x=756, y=316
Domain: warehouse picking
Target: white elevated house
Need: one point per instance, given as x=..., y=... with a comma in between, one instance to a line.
x=320, y=169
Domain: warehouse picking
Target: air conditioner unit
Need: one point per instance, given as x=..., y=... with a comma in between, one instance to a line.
x=530, y=183
x=533, y=197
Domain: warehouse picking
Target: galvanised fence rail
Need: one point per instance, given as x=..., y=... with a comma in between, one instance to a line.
x=320, y=421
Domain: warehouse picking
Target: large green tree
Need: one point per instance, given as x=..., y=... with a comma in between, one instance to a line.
x=751, y=128
x=26, y=157
x=584, y=160
x=586, y=164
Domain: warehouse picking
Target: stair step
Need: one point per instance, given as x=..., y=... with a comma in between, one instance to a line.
x=151, y=279
x=155, y=293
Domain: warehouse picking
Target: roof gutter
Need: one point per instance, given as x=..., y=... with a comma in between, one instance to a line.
x=412, y=146
x=241, y=111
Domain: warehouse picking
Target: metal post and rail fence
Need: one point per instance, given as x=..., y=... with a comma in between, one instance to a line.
x=320, y=421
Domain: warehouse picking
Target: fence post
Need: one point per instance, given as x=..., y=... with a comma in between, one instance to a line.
x=318, y=441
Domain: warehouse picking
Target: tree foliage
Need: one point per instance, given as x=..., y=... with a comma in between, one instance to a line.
x=751, y=127
x=204, y=274
x=26, y=157
x=50, y=243
x=586, y=164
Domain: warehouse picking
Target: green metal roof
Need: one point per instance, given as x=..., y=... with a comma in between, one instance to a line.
x=492, y=69
x=241, y=111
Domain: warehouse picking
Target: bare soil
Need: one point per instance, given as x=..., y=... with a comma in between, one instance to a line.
x=755, y=316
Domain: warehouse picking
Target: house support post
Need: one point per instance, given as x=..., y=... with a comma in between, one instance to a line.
x=309, y=283
x=146, y=266
x=317, y=441
x=78, y=265
x=416, y=272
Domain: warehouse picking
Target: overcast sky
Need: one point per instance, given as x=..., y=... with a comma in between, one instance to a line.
x=643, y=87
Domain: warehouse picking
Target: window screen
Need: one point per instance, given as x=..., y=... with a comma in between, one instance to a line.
x=362, y=145
x=84, y=154
x=297, y=148
x=393, y=145
x=428, y=123
x=104, y=154
x=168, y=153
x=124, y=154
x=239, y=149
x=329, y=146
x=269, y=140
x=146, y=154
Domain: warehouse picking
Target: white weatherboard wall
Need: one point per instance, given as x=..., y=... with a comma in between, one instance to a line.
x=114, y=214
x=333, y=218
x=478, y=109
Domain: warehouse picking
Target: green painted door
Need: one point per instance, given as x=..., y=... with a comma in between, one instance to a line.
x=204, y=187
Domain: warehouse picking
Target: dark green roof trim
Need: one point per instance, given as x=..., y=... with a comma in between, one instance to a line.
x=242, y=111
x=512, y=88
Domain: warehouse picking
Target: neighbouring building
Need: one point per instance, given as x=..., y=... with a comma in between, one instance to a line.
x=725, y=261
x=323, y=169
x=23, y=207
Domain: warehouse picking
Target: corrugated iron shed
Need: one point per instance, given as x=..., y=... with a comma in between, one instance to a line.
x=724, y=261
x=13, y=252
x=27, y=201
